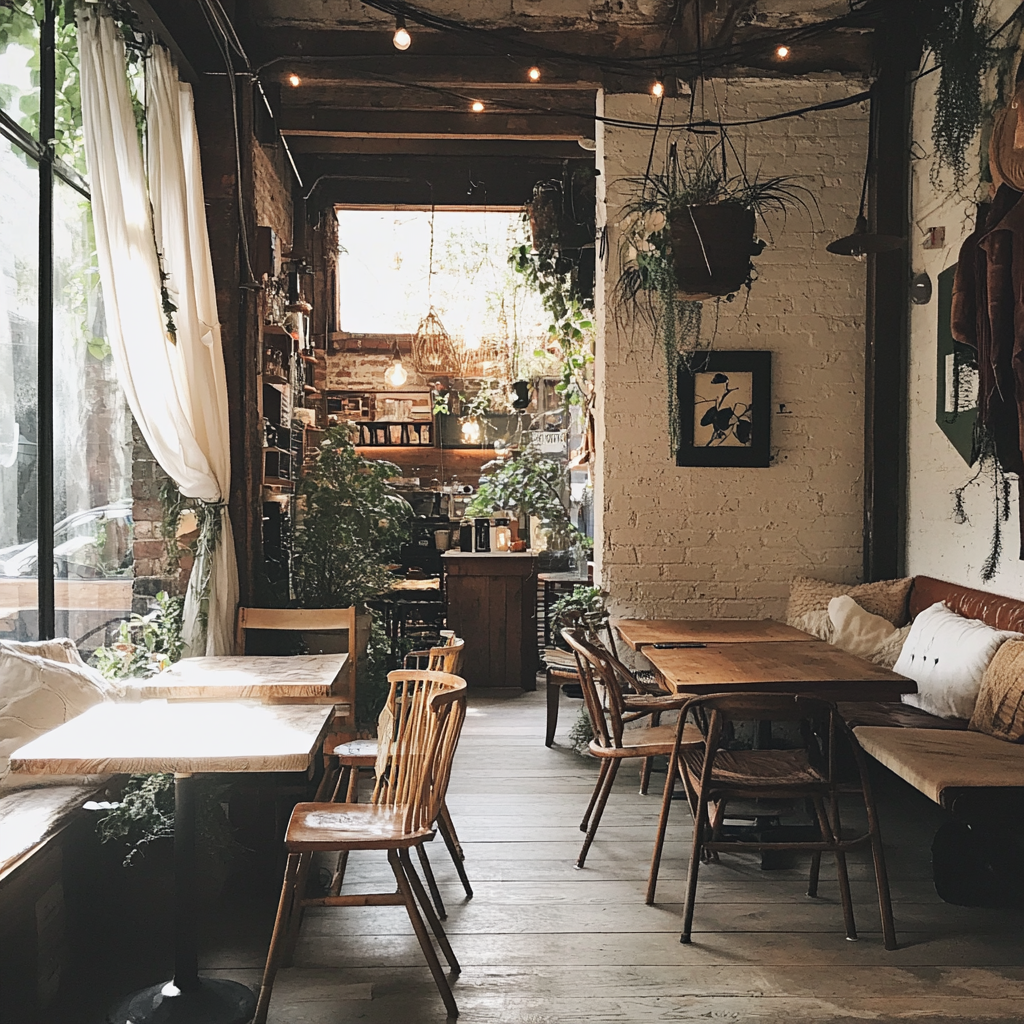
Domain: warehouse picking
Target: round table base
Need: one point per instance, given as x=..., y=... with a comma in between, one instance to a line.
x=213, y=1002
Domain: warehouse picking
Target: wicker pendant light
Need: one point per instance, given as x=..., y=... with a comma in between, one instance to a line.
x=433, y=353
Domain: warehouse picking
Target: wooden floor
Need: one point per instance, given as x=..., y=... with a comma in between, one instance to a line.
x=544, y=942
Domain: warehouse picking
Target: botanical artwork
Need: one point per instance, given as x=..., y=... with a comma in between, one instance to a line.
x=725, y=403
x=723, y=409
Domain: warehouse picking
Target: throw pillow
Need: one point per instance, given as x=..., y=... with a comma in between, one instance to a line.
x=61, y=649
x=887, y=598
x=817, y=623
x=889, y=652
x=946, y=655
x=1000, y=707
x=857, y=630
x=37, y=695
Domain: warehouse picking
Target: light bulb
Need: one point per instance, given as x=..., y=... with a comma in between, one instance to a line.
x=658, y=90
x=396, y=375
x=401, y=39
x=533, y=74
x=477, y=107
x=294, y=81
x=471, y=432
x=782, y=52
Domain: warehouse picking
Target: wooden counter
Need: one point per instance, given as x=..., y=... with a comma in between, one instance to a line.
x=492, y=603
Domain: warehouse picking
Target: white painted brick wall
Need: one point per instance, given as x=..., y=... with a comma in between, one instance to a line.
x=678, y=541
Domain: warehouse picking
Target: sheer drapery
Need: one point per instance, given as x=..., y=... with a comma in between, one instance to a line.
x=174, y=383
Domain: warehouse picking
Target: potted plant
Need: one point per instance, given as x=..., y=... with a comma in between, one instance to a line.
x=530, y=484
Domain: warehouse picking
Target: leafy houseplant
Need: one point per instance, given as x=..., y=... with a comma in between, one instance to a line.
x=531, y=485
x=583, y=609
x=351, y=528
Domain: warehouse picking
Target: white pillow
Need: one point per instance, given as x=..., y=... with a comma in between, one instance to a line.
x=857, y=630
x=946, y=655
x=61, y=649
x=37, y=695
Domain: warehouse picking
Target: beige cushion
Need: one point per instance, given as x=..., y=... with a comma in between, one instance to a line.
x=37, y=695
x=887, y=598
x=999, y=710
x=857, y=630
x=888, y=653
x=934, y=760
x=817, y=623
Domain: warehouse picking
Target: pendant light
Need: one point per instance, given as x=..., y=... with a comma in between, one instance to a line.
x=433, y=352
x=396, y=374
x=862, y=241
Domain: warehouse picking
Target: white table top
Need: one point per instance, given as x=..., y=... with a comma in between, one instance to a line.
x=239, y=677
x=169, y=736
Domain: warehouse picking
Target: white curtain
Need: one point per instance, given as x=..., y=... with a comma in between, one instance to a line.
x=174, y=384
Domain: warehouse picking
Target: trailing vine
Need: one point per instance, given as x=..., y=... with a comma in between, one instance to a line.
x=988, y=466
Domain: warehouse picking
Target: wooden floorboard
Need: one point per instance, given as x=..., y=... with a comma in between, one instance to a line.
x=544, y=942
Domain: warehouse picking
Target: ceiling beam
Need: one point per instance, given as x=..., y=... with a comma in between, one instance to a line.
x=370, y=96
x=333, y=123
x=504, y=148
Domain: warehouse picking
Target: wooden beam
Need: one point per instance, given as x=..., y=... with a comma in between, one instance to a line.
x=410, y=125
x=374, y=96
x=302, y=145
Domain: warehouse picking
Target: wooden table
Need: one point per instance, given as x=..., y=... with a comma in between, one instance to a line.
x=817, y=668
x=248, y=677
x=639, y=633
x=161, y=736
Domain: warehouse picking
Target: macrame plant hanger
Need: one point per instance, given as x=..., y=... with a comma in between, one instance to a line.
x=433, y=353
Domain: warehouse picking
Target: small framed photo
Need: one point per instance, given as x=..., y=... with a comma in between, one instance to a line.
x=725, y=405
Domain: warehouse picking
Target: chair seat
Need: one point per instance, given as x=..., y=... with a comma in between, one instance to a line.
x=649, y=742
x=357, y=753
x=754, y=769
x=350, y=827
x=654, y=701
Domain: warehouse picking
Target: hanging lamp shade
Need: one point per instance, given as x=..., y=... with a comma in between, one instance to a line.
x=862, y=241
x=433, y=352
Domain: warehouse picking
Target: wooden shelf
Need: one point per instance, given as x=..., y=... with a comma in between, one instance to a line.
x=273, y=378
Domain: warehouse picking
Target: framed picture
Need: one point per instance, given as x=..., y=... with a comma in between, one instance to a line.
x=725, y=404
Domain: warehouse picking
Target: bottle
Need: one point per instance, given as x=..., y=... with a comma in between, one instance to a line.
x=465, y=535
x=482, y=535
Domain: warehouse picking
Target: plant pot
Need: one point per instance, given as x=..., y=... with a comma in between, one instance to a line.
x=551, y=224
x=720, y=235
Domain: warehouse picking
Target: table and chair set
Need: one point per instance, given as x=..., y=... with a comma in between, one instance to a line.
x=264, y=714
x=729, y=681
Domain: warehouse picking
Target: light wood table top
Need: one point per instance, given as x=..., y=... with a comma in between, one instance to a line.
x=817, y=668
x=167, y=736
x=247, y=677
x=639, y=633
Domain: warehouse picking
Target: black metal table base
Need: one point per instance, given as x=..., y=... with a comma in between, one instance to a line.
x=212, y=1001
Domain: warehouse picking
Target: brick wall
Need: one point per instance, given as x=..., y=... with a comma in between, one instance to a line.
x=677, y=541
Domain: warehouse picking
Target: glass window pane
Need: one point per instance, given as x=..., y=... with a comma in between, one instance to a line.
x=92, y=440
x=19, y=257
x=19, y=65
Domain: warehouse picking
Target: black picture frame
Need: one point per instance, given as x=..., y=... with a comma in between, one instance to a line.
x=755, y=449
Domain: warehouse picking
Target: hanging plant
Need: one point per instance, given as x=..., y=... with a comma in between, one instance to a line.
x=990, y=468
x=688, y=234
x=961, y=43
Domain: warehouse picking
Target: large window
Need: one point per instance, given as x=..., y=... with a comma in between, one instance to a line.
x=65, y=448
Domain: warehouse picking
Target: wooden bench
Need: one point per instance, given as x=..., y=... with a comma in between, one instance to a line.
x=36, y=847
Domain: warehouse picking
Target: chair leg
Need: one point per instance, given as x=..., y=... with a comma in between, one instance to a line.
x=428, y=911
x=699, y=821
x=405, y=888
x=606, y=788
x=831, y=822
x=553, y=694
x=881, y=875
x=585, y=823
x=295, y=920
x=659, y=839
x=428, y=874
x=284, y=910
x=344, y=772
x=812, y=881
x=327, y=779
x=645, y=774
x=451, y=840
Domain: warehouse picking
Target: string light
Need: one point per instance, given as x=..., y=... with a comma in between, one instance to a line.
x=477, y=107
x=294, y=81
x=658, y=90
x=533, y=74
x=782, y=52
x=401, y=39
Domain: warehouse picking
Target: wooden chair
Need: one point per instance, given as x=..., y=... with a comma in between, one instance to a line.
x=612, y=744
x=358, y=755
x=417, y=746
x=713, y=776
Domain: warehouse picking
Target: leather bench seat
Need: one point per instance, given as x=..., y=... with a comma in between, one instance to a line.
x=895, y=714
x=942, y=762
